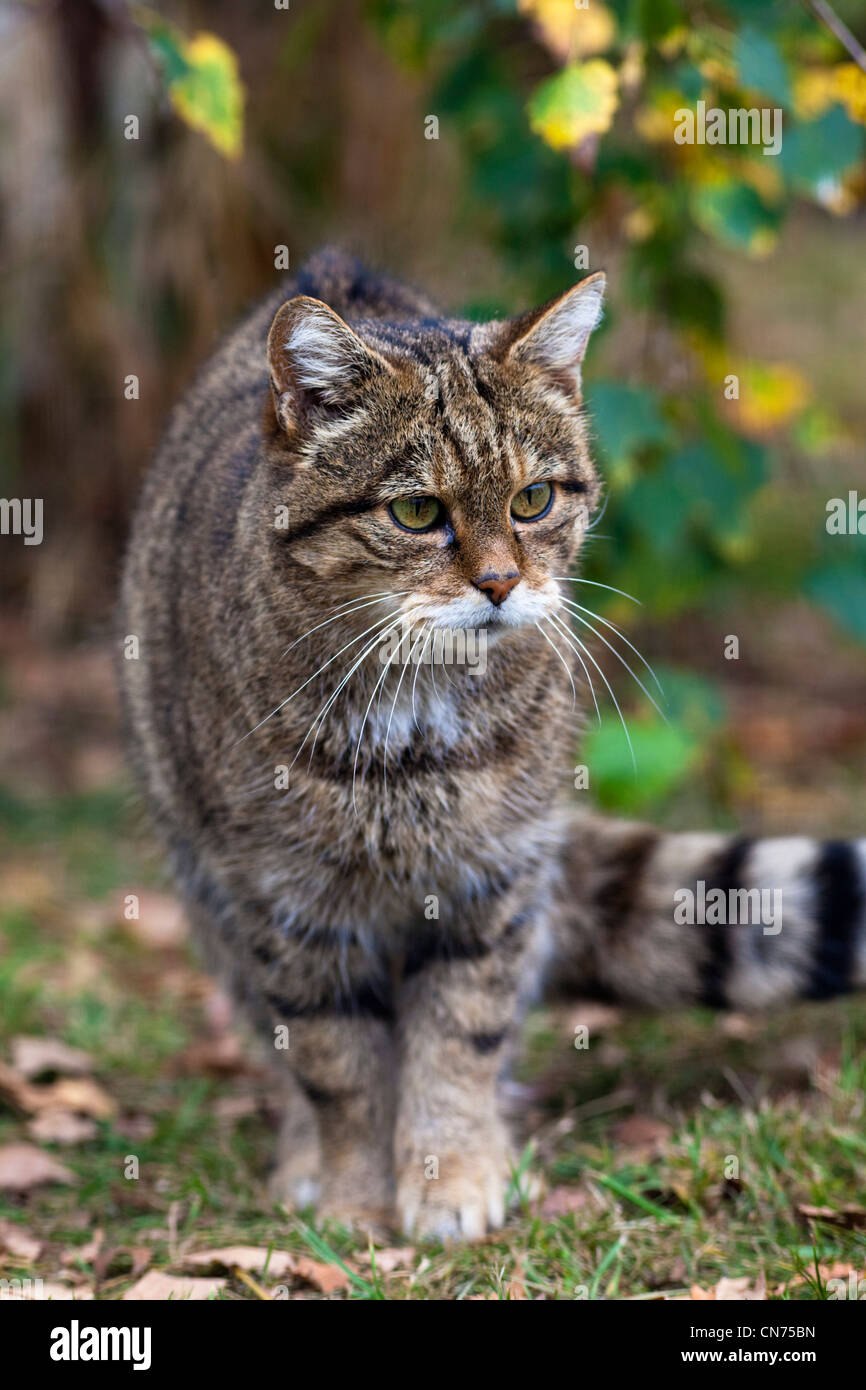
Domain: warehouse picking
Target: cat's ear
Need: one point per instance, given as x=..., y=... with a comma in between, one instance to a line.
x=555, y=337
x=316, y=361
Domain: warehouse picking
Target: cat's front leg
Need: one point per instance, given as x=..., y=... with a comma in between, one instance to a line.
x=456, y=1014
x=343, y=1062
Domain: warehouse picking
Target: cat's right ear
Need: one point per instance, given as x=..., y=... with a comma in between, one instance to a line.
x=316, y=362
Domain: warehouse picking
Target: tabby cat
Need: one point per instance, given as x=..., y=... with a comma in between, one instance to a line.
x=380, y=852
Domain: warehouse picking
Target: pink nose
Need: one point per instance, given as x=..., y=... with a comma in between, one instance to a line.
x=497, y=587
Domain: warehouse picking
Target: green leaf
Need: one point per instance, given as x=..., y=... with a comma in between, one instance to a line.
x=664, y=754
x=734, y=214
x=821, y=149
x=761, y=66
x=841, y=589
x=626, y=419
x=201, y=77
x=580, y=100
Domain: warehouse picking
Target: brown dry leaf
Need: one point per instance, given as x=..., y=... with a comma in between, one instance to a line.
x=61, y=1127
x=156, y=1287
x=80, y=1094
x=86, y=1253
x=326, y=1278
x=251, y=1258
x=23, y=1166
x=515, y=1289
x=741, y=1027
x=235, y=1107
x=594, y=1016
x=140, y=1257
x=851, y=1218
x=731, y=1291
x=642, y=1131
x=31, y=1057
x=161, y=922
x=17, y=1241
x=562, y=1200
x=16, y=1091
x=222, y=1056
x=135, y=1126
x=389, y=1259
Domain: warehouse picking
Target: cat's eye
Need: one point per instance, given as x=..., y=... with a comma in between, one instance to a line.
x=417, y=513
x=533, y=502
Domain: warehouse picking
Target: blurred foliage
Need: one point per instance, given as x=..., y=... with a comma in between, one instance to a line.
x=560, y=155
x=556, y=153
x=567, y=117
x=201, y=78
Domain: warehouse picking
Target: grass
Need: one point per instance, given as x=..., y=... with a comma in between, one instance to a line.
x=755, y=1125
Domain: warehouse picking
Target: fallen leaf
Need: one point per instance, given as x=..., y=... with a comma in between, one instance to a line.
x=61, y=1127
x=17, y=1241
x=248, y=1257
x=160, y=923
x=33, y=1057
x=87, y=1253
x=80, y=1094
x=23, y=1166
x=593, y=1016
x=562, y=1200
x=140, y=1257
x=156, y=1287
x=515, y=1289
x=731, y=1291
x=641, y=1131
x=235, y=1107
x=220, y=1056
x=326, y=1278
x=852, y=1218
x=389, y=1259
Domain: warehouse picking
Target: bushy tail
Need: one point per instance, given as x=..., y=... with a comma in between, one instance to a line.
x=673, y=919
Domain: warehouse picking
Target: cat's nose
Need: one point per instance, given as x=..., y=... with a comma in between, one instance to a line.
x=497, y=587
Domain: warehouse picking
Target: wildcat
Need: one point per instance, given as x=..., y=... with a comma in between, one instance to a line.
x=380, y=858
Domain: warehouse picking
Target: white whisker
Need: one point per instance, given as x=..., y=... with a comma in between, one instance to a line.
x=596, y=584
x=568, y=635
x=619, y=656
x=590, y=656
x=323, y=667
x=373, y=599
x=552, y=644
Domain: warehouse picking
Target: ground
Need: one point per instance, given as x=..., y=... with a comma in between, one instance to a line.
x=675, y=1153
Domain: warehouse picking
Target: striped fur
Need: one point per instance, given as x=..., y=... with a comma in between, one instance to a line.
x=420, y=877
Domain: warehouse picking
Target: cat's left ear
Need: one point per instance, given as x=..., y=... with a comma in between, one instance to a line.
x=555, y=337
x=317, y=362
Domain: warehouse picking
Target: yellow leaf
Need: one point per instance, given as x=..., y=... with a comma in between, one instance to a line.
x=570, y=33
x=575, y=103
x=209, y=95
x=817, y=89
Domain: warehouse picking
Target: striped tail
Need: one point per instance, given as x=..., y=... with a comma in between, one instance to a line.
x=674, y=919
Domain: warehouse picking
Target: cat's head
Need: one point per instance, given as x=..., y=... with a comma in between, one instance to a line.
x=440, y=461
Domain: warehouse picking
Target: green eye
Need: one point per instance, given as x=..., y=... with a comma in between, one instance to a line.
x=532, y=502
x=417, y=513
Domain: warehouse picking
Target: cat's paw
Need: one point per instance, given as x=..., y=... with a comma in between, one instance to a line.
x=453, y=1197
